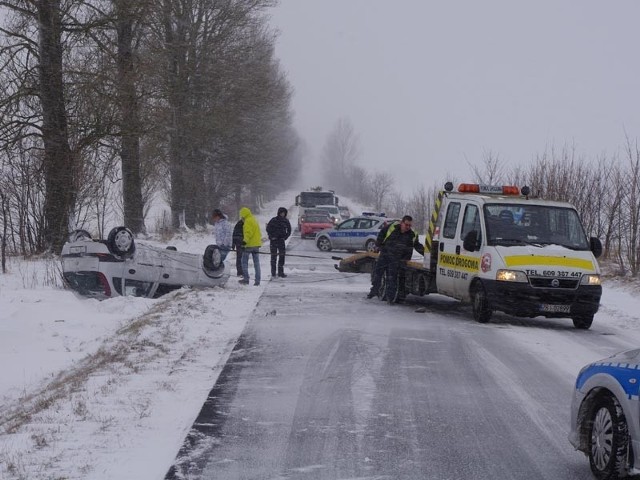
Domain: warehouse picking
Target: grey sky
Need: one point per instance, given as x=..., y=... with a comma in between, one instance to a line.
x=431, y=86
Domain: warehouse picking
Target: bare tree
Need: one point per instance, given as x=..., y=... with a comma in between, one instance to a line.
x=381, y=188
x=340, y=154
x=492, y=171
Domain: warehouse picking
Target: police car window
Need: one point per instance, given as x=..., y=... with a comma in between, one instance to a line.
x=451, y=220
x=471, y=221
x=365, y=223
x=348, y=224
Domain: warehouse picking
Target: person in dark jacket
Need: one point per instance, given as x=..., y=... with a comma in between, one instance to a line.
x=278, y=230
x=396, y=242
x=236, y=244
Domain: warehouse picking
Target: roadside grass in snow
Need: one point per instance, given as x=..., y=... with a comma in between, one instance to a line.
x=99, y=392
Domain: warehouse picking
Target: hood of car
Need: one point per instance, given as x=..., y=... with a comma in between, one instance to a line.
x=627, y=356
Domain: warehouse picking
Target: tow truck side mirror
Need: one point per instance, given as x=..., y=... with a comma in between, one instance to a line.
x=596, y=246
x=470, y=242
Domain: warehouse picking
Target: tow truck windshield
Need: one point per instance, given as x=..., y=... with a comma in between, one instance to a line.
x=515, y=224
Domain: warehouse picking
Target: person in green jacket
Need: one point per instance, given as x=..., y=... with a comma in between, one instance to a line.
x=251, y=243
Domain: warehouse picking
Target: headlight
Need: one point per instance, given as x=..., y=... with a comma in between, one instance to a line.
x=590, y=280
x=511, y=276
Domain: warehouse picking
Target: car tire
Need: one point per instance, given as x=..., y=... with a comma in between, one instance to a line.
x=370, y=246
x=79, y=235
x=120, y=242
x=583, y=322
x=382, y=292
x=324, y=244
x=608, y=439
x=212, y=263
x=480, y=303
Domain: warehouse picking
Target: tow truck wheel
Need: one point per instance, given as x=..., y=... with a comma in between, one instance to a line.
x=608, y=439
x=480, y=303
x=382, y=293
x=583, y=322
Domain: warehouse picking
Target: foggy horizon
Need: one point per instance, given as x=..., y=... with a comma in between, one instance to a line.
x=432, y=87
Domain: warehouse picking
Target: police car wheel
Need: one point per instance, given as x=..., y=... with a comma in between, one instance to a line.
x=370, y=246
x=480, y=304
x=324, y=244
x=608, y=439
x=583, y=322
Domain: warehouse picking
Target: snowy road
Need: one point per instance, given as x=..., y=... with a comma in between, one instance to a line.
x=324, y=384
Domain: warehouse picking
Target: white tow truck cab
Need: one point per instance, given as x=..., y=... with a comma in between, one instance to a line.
x=500, y=250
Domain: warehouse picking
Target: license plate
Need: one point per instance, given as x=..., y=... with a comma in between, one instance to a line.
x=551, y=308
x=78, y=249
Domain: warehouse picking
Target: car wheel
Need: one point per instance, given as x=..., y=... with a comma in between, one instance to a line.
x=212, y=263
x=583, y=322
x=608, y=439
x=324, y=244
x=79, y=235
x=382, y=293
x=120, y=242
x=480, y=304
x=370, y=246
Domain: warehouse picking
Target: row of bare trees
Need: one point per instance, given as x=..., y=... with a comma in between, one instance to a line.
x=604, y=190
x=105, y=104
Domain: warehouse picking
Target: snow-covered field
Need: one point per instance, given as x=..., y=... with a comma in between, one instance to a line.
x=109, y=389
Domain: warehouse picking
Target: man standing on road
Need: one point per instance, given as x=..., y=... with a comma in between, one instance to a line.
x=251, y=243
x=278, y=229
x=237, y=245
x=396, y=242
x=222, y=232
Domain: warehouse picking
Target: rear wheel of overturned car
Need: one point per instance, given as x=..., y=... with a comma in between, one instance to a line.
x=370, y=246
x=608, y=439
x=583, y=322
x=324, y=244
x=120, y=242
x=480, y=303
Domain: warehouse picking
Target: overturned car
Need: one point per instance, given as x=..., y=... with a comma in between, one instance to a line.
x=119, y=266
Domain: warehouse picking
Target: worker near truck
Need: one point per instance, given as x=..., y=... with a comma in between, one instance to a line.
x=396, y=242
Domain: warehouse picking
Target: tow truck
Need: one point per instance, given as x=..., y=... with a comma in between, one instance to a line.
x=499, y=249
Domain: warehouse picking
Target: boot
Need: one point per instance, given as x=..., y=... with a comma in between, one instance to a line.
x=281, y=274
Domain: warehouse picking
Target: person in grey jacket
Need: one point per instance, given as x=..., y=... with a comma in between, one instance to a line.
x=223, y=232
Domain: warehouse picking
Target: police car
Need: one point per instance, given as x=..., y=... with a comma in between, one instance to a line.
x=119, y=266
x=605, y=415
x=356, y=233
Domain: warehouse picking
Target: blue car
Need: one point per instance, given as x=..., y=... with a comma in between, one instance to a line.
x=605, y=415
x=356, y=233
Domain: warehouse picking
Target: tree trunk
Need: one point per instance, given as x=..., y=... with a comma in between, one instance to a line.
x=129, y=121
x=58, y=163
